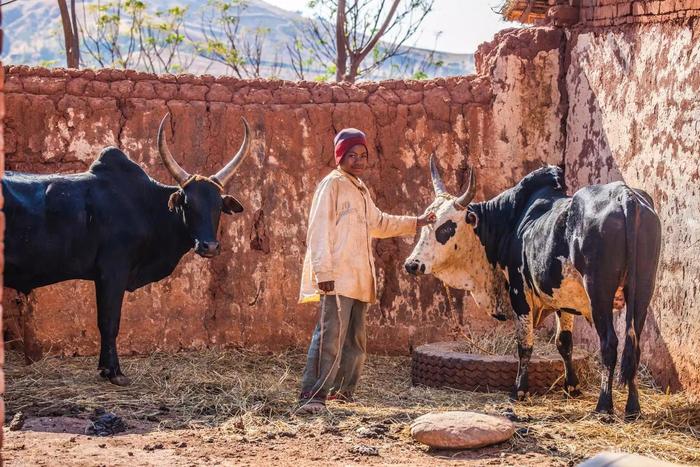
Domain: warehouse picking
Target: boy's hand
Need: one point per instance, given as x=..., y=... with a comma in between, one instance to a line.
x=327, y=286
x=425, y=219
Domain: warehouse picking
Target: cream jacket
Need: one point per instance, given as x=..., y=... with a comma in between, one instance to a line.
x=342, y=222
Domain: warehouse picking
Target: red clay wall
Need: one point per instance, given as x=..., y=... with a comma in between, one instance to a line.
x=2, y=247
x=619, y=12
x=634, y=115
x=504, y=121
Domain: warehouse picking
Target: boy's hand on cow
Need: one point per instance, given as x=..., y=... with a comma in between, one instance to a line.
x=425, y=219
x=327, y=286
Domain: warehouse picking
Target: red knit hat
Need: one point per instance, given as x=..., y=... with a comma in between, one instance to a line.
x=346, y=139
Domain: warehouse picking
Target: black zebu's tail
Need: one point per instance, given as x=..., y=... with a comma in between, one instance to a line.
x=643, y=243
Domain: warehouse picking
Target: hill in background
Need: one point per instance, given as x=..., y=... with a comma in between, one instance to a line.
x=33, y=35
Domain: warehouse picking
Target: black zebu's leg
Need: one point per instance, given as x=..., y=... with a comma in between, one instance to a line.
x=643, y=231
x=524, y=332
x=110, y=293
x=602, y=293
x=565, y=345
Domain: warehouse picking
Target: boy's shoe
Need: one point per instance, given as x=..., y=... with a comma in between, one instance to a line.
x=310, y=404
x=341, y=397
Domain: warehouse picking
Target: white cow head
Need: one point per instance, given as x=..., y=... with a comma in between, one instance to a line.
x=450, y=250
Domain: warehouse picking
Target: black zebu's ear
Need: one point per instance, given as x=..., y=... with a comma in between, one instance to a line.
x=471, y=218
x=175, y=200
x=230, y=205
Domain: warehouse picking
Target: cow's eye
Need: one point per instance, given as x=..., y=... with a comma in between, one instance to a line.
x=445, y=232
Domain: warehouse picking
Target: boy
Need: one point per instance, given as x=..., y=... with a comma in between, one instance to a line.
x=339, y=272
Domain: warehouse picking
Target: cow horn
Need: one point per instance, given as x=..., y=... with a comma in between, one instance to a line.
x=438, y=184
x=178, y=173
x=223, y=175
x=464, y=200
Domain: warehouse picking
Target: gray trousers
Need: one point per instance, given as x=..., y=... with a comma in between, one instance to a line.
x=337, y=351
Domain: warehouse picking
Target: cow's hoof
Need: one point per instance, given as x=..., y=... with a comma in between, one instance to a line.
x=573, y=391
x=120, y=380
x=632, y=411
x=519, y=395
x=604, y=411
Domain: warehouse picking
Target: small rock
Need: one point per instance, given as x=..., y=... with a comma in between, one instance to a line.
x=17, y=421
x=510, y=414
x=364, y=450
x=461, y=430
x=102, y=446
x=153, y=447
x=105, y=424
x=331, y=430
x=374, y=432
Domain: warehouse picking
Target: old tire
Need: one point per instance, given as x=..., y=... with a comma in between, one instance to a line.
x=442, y=365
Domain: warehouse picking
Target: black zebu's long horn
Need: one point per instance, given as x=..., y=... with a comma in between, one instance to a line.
x=224, y=175
x=178, y=173
x=438, y=184
x=464, y=200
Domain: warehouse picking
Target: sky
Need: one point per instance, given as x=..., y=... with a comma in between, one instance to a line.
x=464, y=23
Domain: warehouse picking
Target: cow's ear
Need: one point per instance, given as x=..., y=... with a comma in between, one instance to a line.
x=230, y=205
x=175, y=200
x=471, y=218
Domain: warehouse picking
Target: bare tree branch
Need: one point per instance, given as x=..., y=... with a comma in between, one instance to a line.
x=70, y=34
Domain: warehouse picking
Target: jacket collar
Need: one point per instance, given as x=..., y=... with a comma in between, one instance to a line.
x=355, y=181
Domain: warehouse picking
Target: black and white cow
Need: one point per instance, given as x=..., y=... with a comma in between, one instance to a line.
x=534, y=250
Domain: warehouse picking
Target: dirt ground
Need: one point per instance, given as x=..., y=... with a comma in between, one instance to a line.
x=236, y=408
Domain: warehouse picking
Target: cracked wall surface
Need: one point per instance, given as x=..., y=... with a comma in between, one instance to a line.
x=504, y=121
x=634, y=115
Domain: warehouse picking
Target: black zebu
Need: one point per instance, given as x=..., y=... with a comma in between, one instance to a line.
x=113, y=225
x=541, y=251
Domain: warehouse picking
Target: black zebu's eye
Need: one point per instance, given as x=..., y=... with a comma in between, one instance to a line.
x=445, y=232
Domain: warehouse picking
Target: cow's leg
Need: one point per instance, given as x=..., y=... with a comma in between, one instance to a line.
x=565, y=345
x=602, y=295
x=524, y=332
x=110, y=292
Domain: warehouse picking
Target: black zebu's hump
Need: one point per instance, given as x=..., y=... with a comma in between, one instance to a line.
x=113, y=161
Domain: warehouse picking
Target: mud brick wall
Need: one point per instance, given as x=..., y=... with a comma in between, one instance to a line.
x=619, y=12
x=505, y=121
x=634, y=115
x=2, y=248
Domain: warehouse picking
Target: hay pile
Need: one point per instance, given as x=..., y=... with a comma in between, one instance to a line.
x=251, y=395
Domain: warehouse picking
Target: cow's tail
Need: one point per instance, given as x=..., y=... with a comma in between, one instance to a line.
x=630, y=353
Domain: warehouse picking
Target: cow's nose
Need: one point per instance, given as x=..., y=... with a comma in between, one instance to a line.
x=207, y=249
x=414, y=267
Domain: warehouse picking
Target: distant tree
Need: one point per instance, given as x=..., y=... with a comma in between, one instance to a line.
x=70, y=33
x=111, y=32
x=241, y=50
x=299, y=60
x=346, y=33
x=162, y=41
x=124, y=34
x=425, y=66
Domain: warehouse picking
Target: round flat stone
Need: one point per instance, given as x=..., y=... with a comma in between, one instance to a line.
x=461, y=430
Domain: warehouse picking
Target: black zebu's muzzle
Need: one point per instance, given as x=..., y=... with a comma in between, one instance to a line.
x=207, y=249
x=414, y=267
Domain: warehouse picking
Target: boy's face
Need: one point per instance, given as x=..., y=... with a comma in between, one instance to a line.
x=354, y=161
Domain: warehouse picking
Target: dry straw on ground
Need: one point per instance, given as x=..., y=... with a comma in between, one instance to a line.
x=251, y=396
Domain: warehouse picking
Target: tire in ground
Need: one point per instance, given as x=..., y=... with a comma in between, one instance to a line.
x=442, y=365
